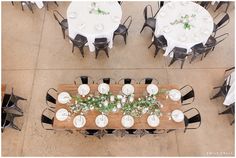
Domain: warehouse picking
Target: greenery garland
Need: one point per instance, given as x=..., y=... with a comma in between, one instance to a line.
x=106, y=103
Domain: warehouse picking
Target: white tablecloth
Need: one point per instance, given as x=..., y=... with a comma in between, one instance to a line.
x=230, y=97
x=80, y=21
x=176, y=35
x=38, y=3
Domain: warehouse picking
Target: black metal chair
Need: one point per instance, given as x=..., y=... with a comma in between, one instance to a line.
x=221, y=3
x=187, y=95
x=8, y=120
x=9, y=103
x=194, y=118
x=120, y=2
x=133, y=132
x=127, y=81
x=160, y=4
x=47, y=118
x=79, y=41
x=122, y=29
x=149, y=21
x=83, y=80
x=222, y=23
x=152, y=132
x=93, y=132
x=106, y=80
x=63, y=23
x=205, y=4
x=159, y=43
x=223, y=90
x=101, y=44
x=199, y=50
x=179, y=54
x=51, y=97
x=46, y=3
x=148, y=80
x=229, y=110
x=214, y=41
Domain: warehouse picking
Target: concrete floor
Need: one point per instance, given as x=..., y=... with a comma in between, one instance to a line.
x=35, y=57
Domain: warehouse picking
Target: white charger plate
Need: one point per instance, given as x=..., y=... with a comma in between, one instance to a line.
x=103, y=88
x=62, y=114
x=101, y=121
x=79, y=121
x=174, y=95
x=64, y=97
x=72, y=15
x=153, y=120
x=177, y=115
x=152, y=89
x=127, y=121
x=83, y=89
x=128, y=89
x=99, y=27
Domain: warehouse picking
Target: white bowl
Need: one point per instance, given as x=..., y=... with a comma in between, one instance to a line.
x=127, y=121
x=153, y=120
x=174, y=95
x=101, y=121
x=62, y=114
x=177, y=115
x=79, y=121
x=83, y=89
x=64, y=97
x=128, y=89
x=152, y=89
x=103, y=88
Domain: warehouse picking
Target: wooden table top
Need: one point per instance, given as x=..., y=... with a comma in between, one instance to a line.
x=4, y=87
x=114, y=119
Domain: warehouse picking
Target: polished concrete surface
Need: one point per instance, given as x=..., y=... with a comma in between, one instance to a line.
x=35, y=57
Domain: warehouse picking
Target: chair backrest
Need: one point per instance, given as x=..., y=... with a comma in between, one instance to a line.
x=45, y=119
x=145, y=11
x=148, y=80
x=91, y=131
x=55, y=14
x=223, y=22
x=162, y=40
x=187, y=93
x=194, y=118
x=50, y=97
x=180, y=53
x=204, y=4
x=83, y=80
x=221, y=38
x=126, y=81
x=129, y=22
x=101, y=43
x=106, y=80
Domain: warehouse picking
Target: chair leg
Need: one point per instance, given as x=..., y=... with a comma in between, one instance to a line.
x=232, y=123
x=156, y=51
x=151, y=45
x=30, y=7
x=227, y=7
x=172, y=61
x=18, y=109
x=106, y=51
x=15, y=127
x=81, y=51
x=20, y=98
x=218, y=6
x=182, y=63
x=56, y=3
x=170, y=130
x=22, y=7
x=142, y=28
x=193, y=58
x=96, y=52
x=47, y=6
x=227, y=111
x=73, y=48
x=63, y=32
x=216, y=96
x=125, y=36
x=12, y=3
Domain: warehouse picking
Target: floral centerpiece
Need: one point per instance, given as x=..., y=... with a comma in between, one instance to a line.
x=97, y=10
x=185, y=20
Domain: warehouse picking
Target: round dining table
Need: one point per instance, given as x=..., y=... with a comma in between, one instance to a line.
x=93, y=20
x=183, y=24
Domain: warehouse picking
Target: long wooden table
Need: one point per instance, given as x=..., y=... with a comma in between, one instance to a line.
x=114, y=119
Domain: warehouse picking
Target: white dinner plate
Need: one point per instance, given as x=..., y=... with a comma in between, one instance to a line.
x=83, y=89
x=72, y=15
x=79, y=121
x=175, y=95
x=62, y=114
x=99, y=27
x=177, y=115
x=153, y=120
x=128, y=89
x=152, y=89
x=101, y=121
x=103, y=88
x=64, y=97
x=127, y=121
